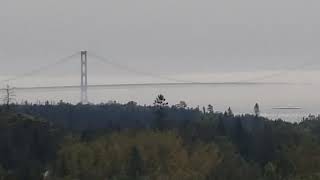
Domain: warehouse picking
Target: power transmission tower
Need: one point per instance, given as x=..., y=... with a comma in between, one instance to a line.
x=84, y=78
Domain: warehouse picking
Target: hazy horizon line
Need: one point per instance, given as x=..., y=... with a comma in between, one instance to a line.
x=129, y=85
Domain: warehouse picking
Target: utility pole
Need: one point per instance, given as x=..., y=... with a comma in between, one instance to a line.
x=84, y=78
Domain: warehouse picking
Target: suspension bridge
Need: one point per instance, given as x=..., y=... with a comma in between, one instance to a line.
x=84, y=85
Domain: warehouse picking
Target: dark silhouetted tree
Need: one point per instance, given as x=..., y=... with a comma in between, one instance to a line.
x=160, y=103
x=210, y=109
x=204, y=110
x=8, y=98
x=181, y=105
x=256, y=109
x=229, y=112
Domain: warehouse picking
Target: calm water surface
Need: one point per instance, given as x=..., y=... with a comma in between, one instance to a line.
x=241, y=98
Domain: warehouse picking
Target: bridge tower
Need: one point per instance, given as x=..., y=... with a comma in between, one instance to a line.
x=84, y=78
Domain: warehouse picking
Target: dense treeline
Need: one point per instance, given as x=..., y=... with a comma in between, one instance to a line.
x=105, y=116
x=27, y=146
x=115, y=141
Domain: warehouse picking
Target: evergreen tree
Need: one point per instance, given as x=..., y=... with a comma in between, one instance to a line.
x=229, y=112
x=160, y=103
x=210, y=109
x=221, y=127
x=256, y=109
x=182, y=105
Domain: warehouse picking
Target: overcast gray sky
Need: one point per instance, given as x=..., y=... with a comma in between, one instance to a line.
x=182, y=38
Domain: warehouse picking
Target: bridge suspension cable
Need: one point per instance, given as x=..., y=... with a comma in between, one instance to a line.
x=129, y=69
x=135, y=71
x=279, y=73
x=40, y=69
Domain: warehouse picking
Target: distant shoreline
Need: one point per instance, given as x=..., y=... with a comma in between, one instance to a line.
x=287, y=108
x=141, y=85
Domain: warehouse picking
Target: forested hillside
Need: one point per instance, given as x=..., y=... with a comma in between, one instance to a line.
x=124, y=142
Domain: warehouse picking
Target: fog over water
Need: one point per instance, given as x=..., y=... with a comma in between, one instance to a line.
x=240, y=97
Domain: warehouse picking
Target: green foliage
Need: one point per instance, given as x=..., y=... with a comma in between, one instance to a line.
x=135, y=164
x=116, y=141
x=27, y=145
x=143, y=155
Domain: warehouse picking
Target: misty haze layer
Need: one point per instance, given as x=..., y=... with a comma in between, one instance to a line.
x=181, y=38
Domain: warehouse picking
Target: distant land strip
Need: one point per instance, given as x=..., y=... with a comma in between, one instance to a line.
x=288, y=108
x=142, y=85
